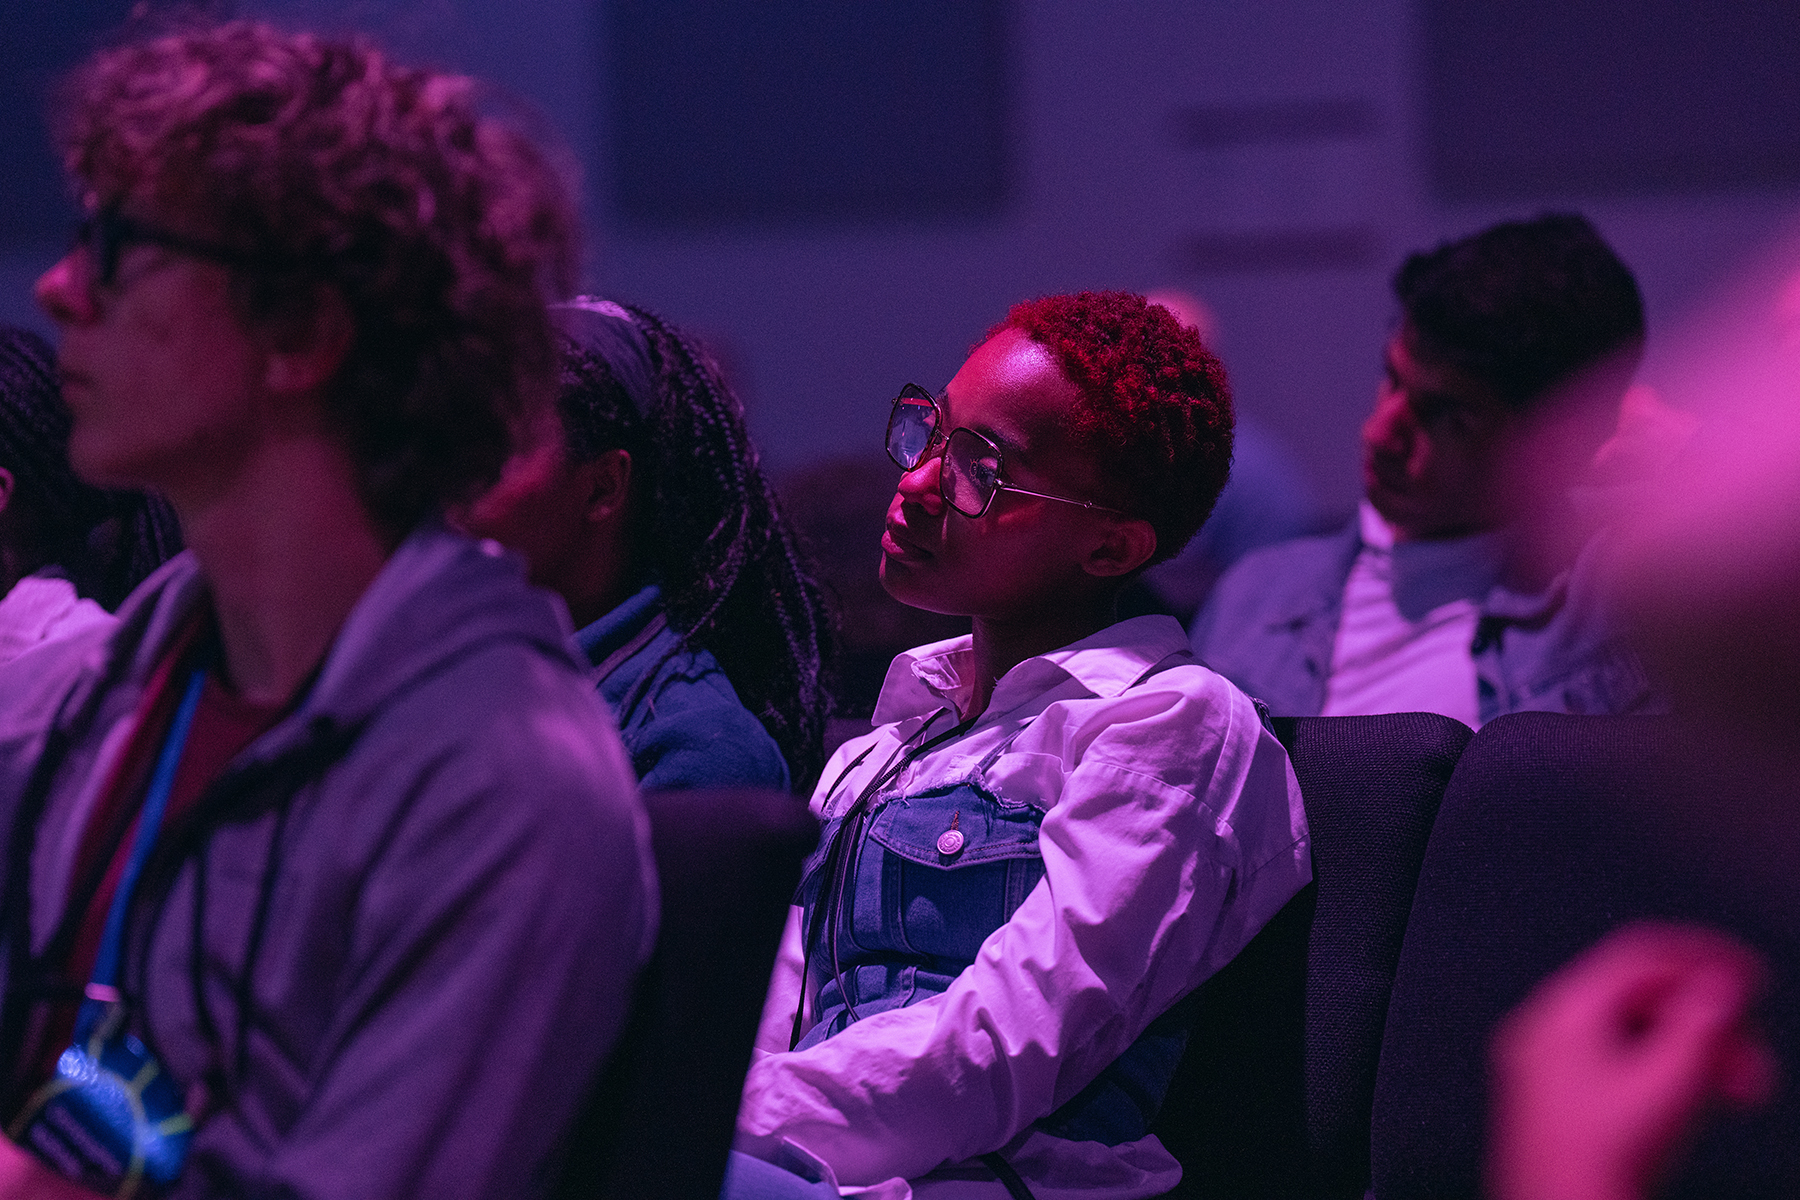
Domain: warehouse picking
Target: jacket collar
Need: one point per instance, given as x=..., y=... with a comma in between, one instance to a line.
x=1322, y=595
x=1429, y=573
x=922, y=680
x=619, y=626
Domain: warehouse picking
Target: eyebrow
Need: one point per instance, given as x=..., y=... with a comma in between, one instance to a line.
x=1008, y=446
x=1442, y=399
x=1013, y=450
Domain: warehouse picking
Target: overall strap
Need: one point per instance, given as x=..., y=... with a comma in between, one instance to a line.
x=1008, y=1177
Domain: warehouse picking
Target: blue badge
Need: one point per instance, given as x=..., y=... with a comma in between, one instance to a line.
x=110, y=1119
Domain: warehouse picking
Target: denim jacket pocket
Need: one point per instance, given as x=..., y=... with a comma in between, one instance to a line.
x=956, y=862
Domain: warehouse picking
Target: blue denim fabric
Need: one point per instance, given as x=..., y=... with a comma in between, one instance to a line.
x=748, y=1178
x=685, y=726
x=912, y=918
x=1271, y=627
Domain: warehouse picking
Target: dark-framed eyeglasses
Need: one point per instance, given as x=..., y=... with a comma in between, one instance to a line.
x=104, y=235
x=973, y=472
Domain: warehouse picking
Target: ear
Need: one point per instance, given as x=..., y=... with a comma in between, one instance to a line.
x=1126, y=544
x=306, y=351
x=608, y=482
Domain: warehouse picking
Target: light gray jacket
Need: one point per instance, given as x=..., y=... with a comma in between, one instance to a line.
x=1271, y=625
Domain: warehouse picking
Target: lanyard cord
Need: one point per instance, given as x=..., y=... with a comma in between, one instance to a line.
x=828, y=906
x=103, y=985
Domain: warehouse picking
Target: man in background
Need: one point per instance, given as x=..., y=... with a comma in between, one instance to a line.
x=1464, y=585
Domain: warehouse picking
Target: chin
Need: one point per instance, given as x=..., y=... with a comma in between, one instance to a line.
x=897, y=581
x=901, y=580
x=94, y=467
x=1396, y=511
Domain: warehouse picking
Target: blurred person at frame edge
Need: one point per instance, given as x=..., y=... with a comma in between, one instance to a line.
x=1615, y=1067
x=336, y=764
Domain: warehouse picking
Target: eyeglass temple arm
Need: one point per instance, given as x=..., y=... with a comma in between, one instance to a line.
x=1007, y=487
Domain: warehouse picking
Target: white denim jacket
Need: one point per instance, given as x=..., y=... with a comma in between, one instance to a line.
x=1173, y=831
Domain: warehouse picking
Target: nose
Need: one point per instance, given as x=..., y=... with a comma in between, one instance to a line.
x=1389, y=429
x=63, y=293
x=922, y=484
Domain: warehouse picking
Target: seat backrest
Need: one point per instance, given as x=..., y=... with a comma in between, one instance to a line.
x=1554, y=830
x=662, y=1116
x=1272, y=1098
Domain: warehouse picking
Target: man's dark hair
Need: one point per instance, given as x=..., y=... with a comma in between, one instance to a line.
x=1525, y=305
x=734, y=579
x=444, y=229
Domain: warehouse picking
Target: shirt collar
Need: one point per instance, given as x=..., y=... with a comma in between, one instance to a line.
x=1374, y=531
x=922, y=680
x=1435, y=571
x=620, y=625
x=1429, y=573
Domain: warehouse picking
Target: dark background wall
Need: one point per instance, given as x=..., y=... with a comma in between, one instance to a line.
x=843, y=197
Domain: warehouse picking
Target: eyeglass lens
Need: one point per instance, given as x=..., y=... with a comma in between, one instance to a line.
x=970, y=475
x=971, y=472
x=910, y=427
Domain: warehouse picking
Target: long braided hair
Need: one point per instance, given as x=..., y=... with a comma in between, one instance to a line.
x=734, y=580
x=104, y=541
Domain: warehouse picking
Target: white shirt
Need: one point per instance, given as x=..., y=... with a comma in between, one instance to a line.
x=1173, y=831
x=43, y=608
x=1407, y=625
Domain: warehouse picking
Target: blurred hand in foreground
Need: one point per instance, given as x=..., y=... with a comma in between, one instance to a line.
x=1604, y=1074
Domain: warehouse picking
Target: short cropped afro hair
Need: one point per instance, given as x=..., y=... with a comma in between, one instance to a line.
x=1525, y=306
x=1157, y=419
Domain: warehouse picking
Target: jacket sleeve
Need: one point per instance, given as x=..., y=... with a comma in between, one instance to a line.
x=487, y=968
x=1271, y=622
x=1154, y=878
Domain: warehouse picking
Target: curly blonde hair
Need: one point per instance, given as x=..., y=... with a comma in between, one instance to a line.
x=446, y=230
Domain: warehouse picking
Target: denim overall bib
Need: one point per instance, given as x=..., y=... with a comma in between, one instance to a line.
x=930, y=875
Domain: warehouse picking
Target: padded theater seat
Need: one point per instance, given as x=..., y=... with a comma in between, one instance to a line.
x=1556, y=829
x=1273, y=1096
x=662, y=1117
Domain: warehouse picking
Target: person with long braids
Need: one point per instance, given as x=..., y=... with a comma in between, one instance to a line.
x=642, y=504
x=69, y=552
